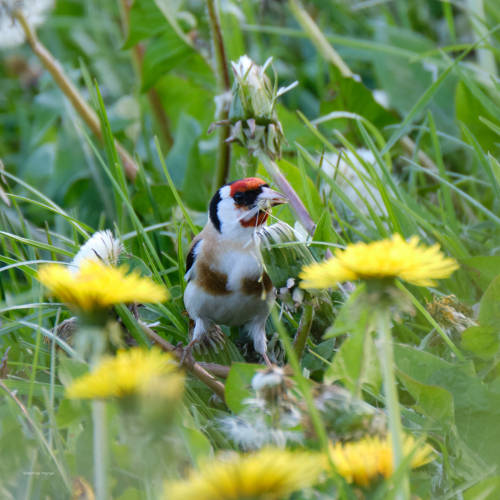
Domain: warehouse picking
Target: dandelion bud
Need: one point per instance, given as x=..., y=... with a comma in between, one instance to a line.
x=253, y=118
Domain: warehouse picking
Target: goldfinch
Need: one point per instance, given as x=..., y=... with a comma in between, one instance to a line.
x=226, y=282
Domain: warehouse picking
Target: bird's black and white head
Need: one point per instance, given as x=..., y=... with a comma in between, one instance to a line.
x=242, y=206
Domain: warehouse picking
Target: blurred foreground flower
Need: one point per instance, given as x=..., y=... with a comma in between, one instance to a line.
x=136, y=371
x=370, y=459
x=96, y=286
x=35, y=12
x=269, y=474
x=381, y=260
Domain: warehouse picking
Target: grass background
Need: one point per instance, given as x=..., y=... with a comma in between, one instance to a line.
x=148, y=70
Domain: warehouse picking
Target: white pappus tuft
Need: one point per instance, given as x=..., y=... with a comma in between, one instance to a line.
x=35, y=12
x=102, y=246
x=352, y=177
x=267, y=379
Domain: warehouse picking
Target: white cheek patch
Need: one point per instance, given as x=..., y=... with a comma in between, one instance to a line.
x=225, y=192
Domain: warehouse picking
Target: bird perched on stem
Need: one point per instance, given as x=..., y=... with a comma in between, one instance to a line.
x=226, y=282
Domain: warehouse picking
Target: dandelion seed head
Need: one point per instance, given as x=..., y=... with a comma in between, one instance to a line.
x=101, y=246
x=35, y=12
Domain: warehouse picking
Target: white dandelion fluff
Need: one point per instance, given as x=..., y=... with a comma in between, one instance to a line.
x=352, y=177
x=35, y=12
x=102, y=246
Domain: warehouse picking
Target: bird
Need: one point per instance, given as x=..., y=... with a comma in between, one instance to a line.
x=226, y=283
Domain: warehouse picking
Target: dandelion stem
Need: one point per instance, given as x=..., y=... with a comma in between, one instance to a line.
x=303, y=329
x=293, y=198
x=88, y=115
x=386, y=354
x=224, y=81
x=100, y=450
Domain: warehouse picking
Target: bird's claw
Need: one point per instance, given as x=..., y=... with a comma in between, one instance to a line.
x=186, y=353
x=267, y=360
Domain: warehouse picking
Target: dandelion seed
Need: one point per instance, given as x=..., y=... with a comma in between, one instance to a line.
x=35, y=12
x=101, y=247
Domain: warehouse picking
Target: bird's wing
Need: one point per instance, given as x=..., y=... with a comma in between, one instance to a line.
x=191, y=258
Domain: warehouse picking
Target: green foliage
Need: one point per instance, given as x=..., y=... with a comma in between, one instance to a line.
x=425, y=162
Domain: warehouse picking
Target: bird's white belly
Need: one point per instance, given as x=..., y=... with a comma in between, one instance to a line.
x=232, y=309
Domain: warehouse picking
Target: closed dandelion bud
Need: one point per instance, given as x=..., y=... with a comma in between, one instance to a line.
x=253, y=118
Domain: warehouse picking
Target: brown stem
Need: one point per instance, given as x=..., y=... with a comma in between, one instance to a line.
x=221, y=371
x=286, y=188
x=155, y=103
x=195, y=368
x=224, y=83
x=88, y=115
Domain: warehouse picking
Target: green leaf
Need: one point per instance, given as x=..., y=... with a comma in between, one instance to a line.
x=198, y=444
x=145, y=21
x=324, y=229
x=489, y=308
x=470, y=110
x=352, y=96
x=238, y=384
x=488, y=489
x=431, y=400
x=483, y=268
x=356, y=362
x=483, y=341
x=477, y=407
x=163, y=54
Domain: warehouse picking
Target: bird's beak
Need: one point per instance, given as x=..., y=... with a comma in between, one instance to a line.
x=270, y=198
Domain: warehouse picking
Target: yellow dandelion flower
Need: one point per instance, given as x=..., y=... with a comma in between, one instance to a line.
x=135, y=371
x=268, y=474
x=362, y=462
x=390, y=258
x=97, y=286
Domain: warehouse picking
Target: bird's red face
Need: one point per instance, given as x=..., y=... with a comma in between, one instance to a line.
x=246, y=201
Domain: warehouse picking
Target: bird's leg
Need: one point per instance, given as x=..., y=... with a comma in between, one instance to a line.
x=186, y=352
x=267, y=360
x=257, y=331
x=201, y=327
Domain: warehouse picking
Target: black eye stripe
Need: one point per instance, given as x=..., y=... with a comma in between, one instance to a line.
x=247, y=198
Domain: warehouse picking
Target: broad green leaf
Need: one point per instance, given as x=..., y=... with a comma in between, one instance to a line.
x=162, y=55
x=238, y=384
x=483, y=268
x=431, y=400
x=489, y=309
x=483, y=341
x=145, y=21
x=488, y=489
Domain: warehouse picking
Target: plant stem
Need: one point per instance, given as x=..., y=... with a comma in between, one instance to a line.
x=88, y=115
x=303, y=330
x=39, y=434
x=294, y=201
x=386, y=355
x=100, y=438
x=224, y=84
x=195, y=368
x=154, y=98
